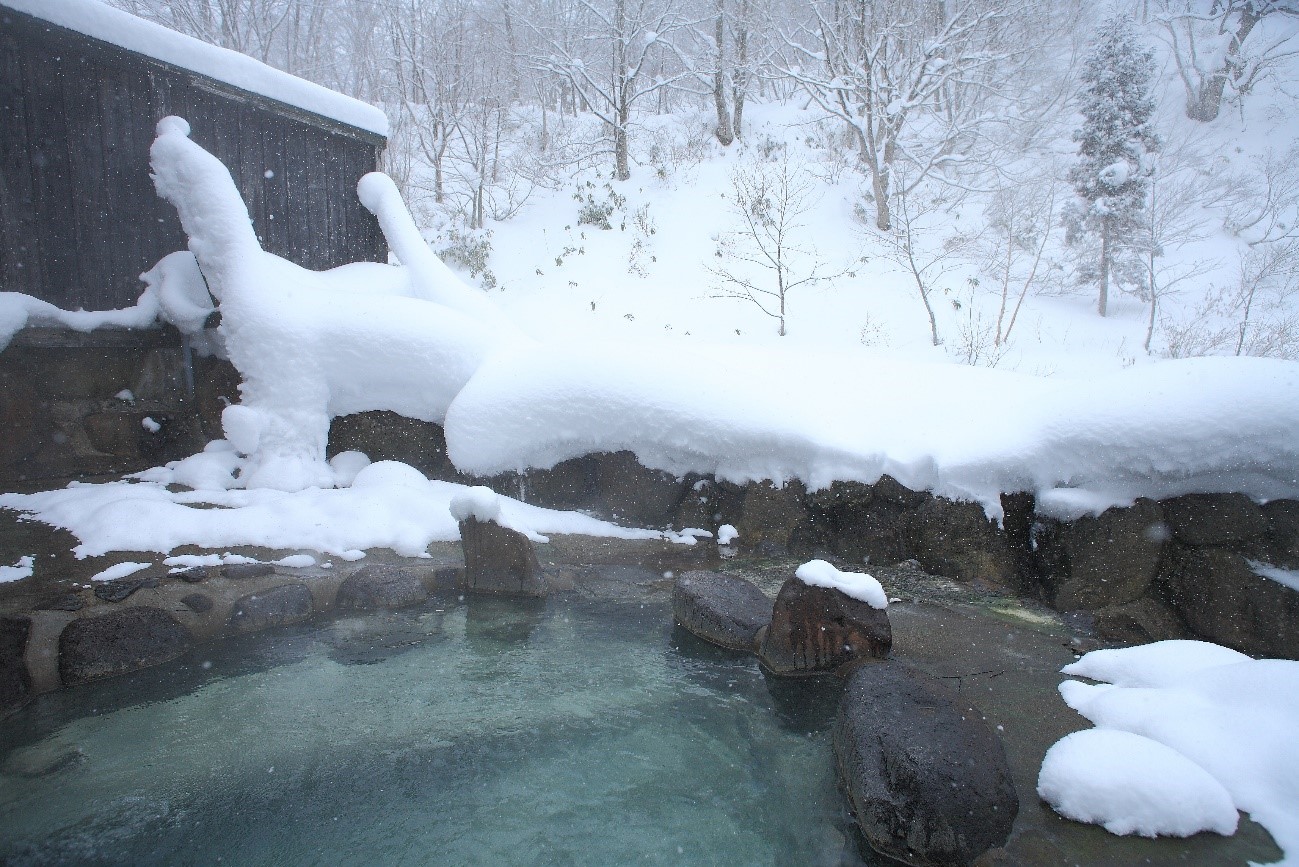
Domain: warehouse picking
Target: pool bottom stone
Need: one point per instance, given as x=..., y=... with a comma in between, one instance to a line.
x=475, y=732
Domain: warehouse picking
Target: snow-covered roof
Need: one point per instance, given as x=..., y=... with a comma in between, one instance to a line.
x=122, y=29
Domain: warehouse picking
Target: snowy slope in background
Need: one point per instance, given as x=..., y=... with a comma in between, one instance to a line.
x=119, y=28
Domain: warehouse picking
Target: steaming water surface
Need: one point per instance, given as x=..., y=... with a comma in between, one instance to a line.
x=480, y=732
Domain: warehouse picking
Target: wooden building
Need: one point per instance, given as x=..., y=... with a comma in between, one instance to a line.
x=82, y=86
x=79, y=218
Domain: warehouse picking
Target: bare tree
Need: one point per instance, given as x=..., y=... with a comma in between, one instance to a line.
x=1216, y=47
x=609, y=69
x=910, y=79
x=1020, y=215
x=770, y=200
x=919, y=240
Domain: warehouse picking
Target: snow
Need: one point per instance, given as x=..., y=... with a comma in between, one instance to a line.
x=479, y=503
x=182, y=562
x=1130, y=784
x=150, y=425
x=121, y=570
x=748, y=413
x=18, y=311
x=19, y=570
x=858, y=585
x=726, y=534
x=312, y=345
x=1286, y=577
x=120, y=28
x=389, y=505
x=1229, y=715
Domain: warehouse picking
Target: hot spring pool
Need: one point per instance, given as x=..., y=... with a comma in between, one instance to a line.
x=461, y=732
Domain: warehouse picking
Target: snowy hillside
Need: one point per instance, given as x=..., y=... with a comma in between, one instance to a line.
x=652, y=275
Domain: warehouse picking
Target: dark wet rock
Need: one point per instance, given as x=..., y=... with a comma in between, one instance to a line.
x=384, y=435
x=15, y=681
x=723, y=609
x=243, y=571
x=773, y=518
x=894, y=491
x=120, y=589
x=570, y=484
x=372, y=587
x=63, y=602
x=841, y=495
x=125, y=640
x=199, y=603
x=958, y=540
x=379, y=637
x=696, y=509
x=869, y=532
x=41, y=761
x=1218, y=595
x=288, y=603
x=499, y=560
x=194, y=574
x=1214, y=519
x=1100, y=561
x=636, y=493
x=926, y=778
x=815, y=629
x=449, y=578
x=1138, y=622
x=804, y=704
x=1283, y=544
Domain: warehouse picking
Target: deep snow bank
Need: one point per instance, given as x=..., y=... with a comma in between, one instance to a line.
x=1226, y=723
x=312, y=345
x=1196, y=425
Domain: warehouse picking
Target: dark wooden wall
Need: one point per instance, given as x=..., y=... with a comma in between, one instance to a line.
x=79, y=218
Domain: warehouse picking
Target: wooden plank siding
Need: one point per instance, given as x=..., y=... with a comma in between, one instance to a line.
x=79, y=218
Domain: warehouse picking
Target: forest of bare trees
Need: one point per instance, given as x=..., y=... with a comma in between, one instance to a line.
x=932, y=100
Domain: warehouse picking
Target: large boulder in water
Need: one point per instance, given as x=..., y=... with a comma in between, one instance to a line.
x=276, y=606
x=926, y=778
x=381, y=586
x=721, y=609
x=815, y=629
x=499, y=560
x=125, y=640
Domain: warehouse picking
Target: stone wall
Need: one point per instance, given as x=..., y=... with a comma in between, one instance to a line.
x=60, y=416
x=1184, y=567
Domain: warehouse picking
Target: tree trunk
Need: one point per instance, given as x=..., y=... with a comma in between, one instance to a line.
x=622, y=160
x=725, y=133
x=1103, y=299
x=880, y=187
x=740, y=74
x=1205, y=104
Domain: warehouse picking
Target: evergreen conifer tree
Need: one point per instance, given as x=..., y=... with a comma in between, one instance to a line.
x=1112, y=175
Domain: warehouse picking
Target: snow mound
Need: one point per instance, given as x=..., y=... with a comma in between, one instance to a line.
x=479, y=503
x=744, y=414
x=1163, y=663
x=389, y=505
x=313, y=345
x=1132, y=785
x=1232, y=716
x=121, y=570
x=858, y=585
